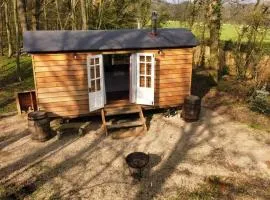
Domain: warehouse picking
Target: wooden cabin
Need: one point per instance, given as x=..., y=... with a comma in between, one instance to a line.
x=78, y=73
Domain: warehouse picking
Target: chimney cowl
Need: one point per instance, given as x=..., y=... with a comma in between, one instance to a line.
x=154, y=23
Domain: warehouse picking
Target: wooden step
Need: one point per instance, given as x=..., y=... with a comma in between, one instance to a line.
x=125, y=124
x=122, y=110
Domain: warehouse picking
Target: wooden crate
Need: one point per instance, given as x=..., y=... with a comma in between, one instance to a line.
x=26, y=101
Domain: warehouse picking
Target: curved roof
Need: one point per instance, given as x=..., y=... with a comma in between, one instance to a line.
x=101, y=40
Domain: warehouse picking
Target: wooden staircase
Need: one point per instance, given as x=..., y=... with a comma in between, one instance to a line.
x=125, y=116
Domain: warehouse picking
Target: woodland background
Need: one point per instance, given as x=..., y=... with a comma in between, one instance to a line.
x=234, y=38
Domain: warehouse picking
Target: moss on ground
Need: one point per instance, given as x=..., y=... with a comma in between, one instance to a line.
x=9, y=83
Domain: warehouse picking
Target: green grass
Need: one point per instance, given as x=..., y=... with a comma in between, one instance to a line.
x=9, y=84
x=228, y=31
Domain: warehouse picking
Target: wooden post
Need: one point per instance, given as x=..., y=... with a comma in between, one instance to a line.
x=104, y=121
x=18, y=104
x=143, y=119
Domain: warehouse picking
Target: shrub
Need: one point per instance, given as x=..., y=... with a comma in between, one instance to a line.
x=260, y=102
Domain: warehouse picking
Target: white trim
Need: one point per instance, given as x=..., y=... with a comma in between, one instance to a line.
x=133, y=77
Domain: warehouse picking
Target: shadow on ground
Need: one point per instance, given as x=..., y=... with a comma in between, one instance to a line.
x=94, y=166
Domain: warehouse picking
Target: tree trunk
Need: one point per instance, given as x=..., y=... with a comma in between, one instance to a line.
x=84, y=15
x=17, y=40
x=22, y=14
x=58, y=15
x=214, y=14
x=73, y=16
x=10, y=50
x=45, y=15
x=2, y=33
x=100, y=15
x=35, y=15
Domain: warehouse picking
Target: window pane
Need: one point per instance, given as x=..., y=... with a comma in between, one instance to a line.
x=98, y=84
x=142, y=68
x=148, y=68
x=93, y=87
x=148, y=81
x=92, y=61
x=148, y=58
x=97, y=61
x=142, y=58
x=92, y=72
x=142, y=81
x=97, y=71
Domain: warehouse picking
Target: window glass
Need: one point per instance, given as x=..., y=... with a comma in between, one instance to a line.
x=97, y=71
x=148, y=58
x=142, y=81
x=148, y=81
x=93, y=87
x=96, y=61
x=142, y=68
x=148, y=68
x=92, y=73
x=92, y=61
x=98, y=85
x=142, y=58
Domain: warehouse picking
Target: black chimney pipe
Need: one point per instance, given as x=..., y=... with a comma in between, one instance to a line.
x=154, y=23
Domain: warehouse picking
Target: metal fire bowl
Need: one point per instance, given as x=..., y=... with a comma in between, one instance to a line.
x=137, y=160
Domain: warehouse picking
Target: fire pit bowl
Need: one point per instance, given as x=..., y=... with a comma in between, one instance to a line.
x=137, y=161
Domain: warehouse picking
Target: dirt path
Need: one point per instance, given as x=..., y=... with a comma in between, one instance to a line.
x=212, y=158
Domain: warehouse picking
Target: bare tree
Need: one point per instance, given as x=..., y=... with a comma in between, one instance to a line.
x=248, y=50
x=17, y=40
x=45, y=14
x=35, y=14
x=10, y=50
x=2, y=33
x=214, y=16
x=84, y=15
x=59, y=21
x=22, y=14
x=73, y=14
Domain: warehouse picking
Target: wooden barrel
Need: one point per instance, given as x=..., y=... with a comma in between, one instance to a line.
x=191, y=108
x=39, y=126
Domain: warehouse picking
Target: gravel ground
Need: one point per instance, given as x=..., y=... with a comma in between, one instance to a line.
x=184, y=157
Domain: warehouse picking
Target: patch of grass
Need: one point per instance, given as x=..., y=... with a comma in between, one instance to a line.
x=256, y=126
x=229, y=32
x=9, y=84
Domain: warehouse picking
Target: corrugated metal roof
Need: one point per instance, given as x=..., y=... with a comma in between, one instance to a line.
x=101, y=40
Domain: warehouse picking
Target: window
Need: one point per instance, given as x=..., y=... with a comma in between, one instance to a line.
x=145, y=63
x=94, y=75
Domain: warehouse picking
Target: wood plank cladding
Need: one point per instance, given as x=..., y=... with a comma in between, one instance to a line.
x=61, y=80
x=172, y=76
x=61, y=83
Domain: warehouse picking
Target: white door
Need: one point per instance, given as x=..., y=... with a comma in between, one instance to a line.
x=95, y=82
x=133, y=78
x=145, y=75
